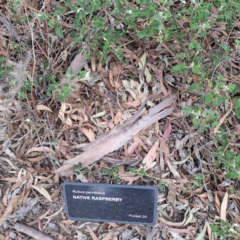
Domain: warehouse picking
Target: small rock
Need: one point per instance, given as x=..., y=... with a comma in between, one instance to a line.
x=127, y=234
x=12, y=235
x=51, y=226
x=5, y=225
x=80, y=236
x=36, y=209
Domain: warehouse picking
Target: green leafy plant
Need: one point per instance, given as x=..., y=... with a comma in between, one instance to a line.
x=112, y=172
x=197, y=182
x=77, y=166
x=185, y=31
x=162, y=185
x=61, y=90
x=206, y=118
x=228, y=160
x=4, y=70
x=26, y=87
x=225, y=231
x=142, y=171
x=79, y=170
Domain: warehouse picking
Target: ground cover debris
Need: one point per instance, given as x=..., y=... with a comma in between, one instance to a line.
x=128, y=92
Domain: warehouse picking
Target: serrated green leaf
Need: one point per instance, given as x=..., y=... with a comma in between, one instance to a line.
x=59, y=31
x=52, y=23
x=225, y=47
x=196, y=69
x=208, y=99
x=237, y=103
x=179, y=68
x=237, y=112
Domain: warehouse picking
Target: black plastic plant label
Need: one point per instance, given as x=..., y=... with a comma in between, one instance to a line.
x=111, y=203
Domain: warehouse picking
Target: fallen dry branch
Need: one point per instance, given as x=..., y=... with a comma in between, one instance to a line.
x=76, y=66
x=9, y=27
x=31, y=232
x=118, y=136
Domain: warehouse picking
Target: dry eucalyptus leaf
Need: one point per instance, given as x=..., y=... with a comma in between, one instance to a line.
x=148, y=161
x=224, y=207
x=9, y=209
x=128, y=177
x=63, y=111
x=142, y=64
x=89, y=134
x=44, y=108
x=134, y=88
x=40, y=149
x=43, y=191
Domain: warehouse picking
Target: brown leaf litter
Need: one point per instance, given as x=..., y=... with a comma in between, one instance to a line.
x=35, y=143
x=118, y=136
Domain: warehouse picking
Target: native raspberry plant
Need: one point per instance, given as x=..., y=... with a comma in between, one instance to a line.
x=185, y=27
x=4, y=70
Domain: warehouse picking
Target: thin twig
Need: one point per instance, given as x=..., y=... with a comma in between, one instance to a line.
x=201, y=167
x=31, y=232
x=223, y=119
